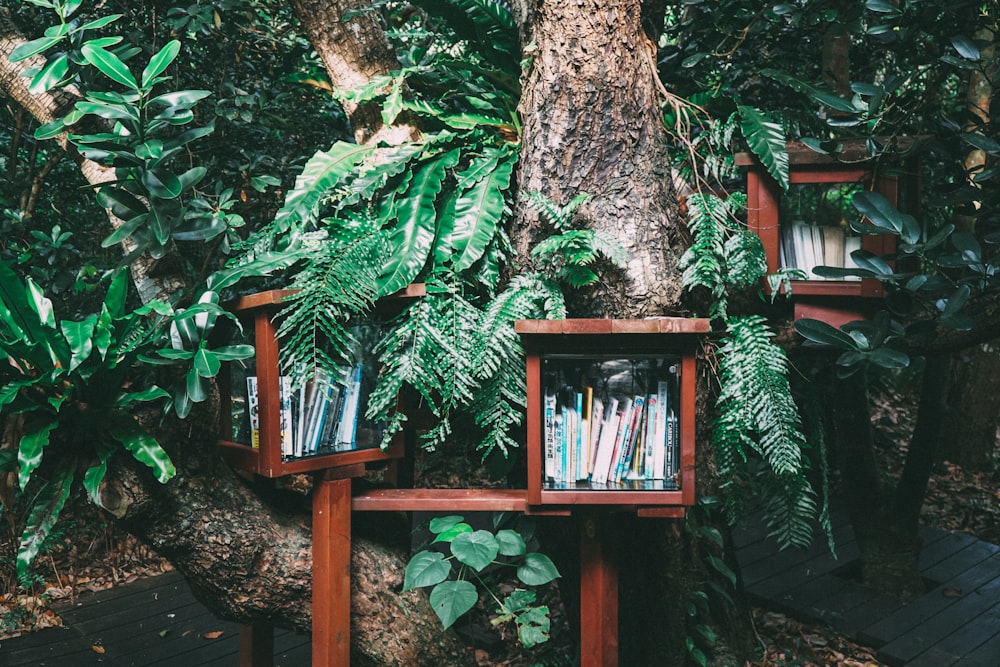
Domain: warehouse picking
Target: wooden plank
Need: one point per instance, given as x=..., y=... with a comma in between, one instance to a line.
x=441, y=500
x=927, y=606
x=986, y=654
x=331, y=593
x=600, y=326
x=598, y=595
x=939, y=626
x=962, y=641
x=961, y=561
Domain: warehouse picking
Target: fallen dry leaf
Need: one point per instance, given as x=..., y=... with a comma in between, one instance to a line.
x=215, y=634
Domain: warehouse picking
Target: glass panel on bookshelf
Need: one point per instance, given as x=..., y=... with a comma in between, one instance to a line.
x=610, y=423
x=319, y=415
x=814, y=226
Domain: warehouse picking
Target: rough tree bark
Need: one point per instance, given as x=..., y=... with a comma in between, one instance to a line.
x=593, y=122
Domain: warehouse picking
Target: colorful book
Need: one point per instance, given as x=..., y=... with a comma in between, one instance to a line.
x=253, y=409
x=549, y=407
x=606, y=445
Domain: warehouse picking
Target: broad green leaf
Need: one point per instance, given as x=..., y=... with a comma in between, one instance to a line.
x=982, y=142
x=451, y=599
x=511, y=543
x=452, y=532
x=413, y=235
x=126, y=230
x=206, y=363
x=477, y=549
x=439, y=524
x=29, y=451
x=538, y=569
x=886, y=357
x=48, y=505
x=80, y=337
x=160, y=62
x=162, y=184
x=109, y=64
x=965, y=47
x=145, y=449
x=121, y=202
x=234, y=352
x=101, y=22
x=533, y=626
x=196, y=386
x=40, y=304
x=32, y=48
x=49, y=130
x=151, y=394
x=884, y=215
x=180, y=98
x=262, y=266
x=95, y=474
x=766, y=140
x=109, y=111
x=49, y=76
x=478, y=211
x=322, y=173
x=824, y=334
x=427, y=568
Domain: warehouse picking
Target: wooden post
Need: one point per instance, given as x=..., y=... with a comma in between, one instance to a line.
x=331, y=593
x=598, y=594
x=256, y=646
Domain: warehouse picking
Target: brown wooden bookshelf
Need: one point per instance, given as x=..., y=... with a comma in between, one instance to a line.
x=828, y=182
x=616, y=359
x=256, y=313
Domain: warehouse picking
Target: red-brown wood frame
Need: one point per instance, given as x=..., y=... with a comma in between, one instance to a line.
x=586, y=337
x=266, y=460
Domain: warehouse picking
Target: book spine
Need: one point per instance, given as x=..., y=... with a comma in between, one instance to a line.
x=628, y=446
x=649, y=437
x=560, y=442
x=605, y=448
x=660, y=430
x=287, y=427
x=579, y=440
x=550, y=436
x=349, y=418
x=596, y=428
x=253, y=410
x=620, y=438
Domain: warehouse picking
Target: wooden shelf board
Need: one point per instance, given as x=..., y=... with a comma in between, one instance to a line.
x=433, y=500
x=607, y=326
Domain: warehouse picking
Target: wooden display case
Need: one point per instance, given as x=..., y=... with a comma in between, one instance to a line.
x=599, y=377
x=808, y=225
x=256, y=313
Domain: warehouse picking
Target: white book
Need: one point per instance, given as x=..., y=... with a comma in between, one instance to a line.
x=348, y=425
x=287, y=427
x=648, y=438
x=549, y=417
x=253, y=410
x=660, y=430
x=596, y=425
x=606, y=446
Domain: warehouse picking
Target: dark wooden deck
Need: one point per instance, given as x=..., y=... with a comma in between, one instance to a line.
x=957, y=622
x=157, y=621
x=154, y=621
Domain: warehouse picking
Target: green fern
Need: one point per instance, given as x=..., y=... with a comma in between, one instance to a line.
x=759, y=420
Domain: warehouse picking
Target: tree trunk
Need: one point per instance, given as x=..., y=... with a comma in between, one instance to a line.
x=354, y=52
x=973, y=416
x=592, y=123
x=886, y=520
x=251, y=562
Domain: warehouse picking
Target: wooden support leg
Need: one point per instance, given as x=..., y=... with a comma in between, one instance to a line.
x=331, y=594
x=256, y=646
x=598, y=595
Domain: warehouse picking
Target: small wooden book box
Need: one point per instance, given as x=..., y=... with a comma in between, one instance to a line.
x=611, y=412
x=268, y=458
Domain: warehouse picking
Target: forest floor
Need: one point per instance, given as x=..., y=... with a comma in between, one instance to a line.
x=88, y=553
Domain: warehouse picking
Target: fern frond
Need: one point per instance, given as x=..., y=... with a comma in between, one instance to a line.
x=746, y=261
x=703, y=263
x=339, y=280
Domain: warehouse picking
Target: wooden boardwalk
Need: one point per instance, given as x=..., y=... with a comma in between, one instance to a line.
x=957, y=622
x=154, y=621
